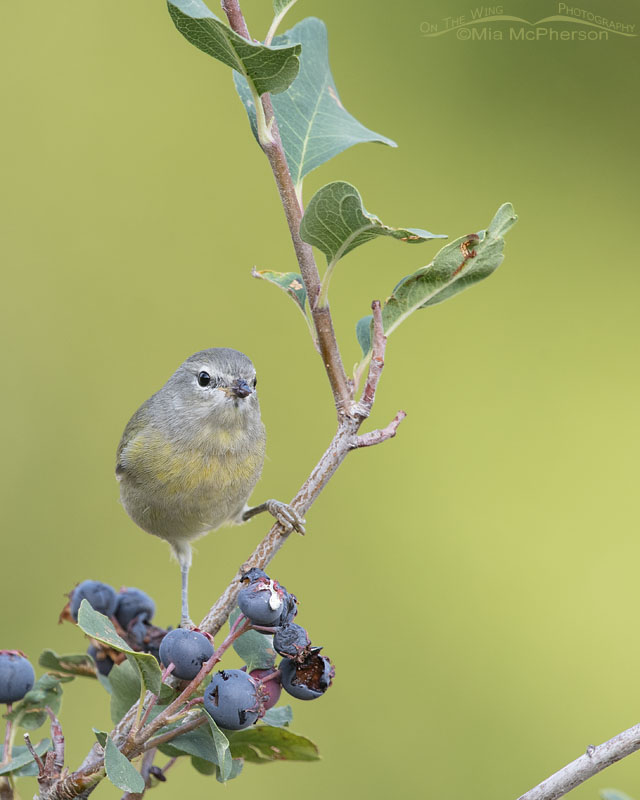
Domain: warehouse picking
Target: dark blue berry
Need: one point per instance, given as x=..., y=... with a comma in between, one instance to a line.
x=104, y=664
x=293, y=641
x=134, y=603
x=262, y=602
x=100, y=596
x=234, y=699
x=16, y=676
x=307, y=680
x=254, y=574
x=289, y=608
x=187, y=650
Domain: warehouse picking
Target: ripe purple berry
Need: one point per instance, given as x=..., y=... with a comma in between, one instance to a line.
x=308, y=680
x=16, y=676
x=289, y=608
x=134, y=603
x=100, y=596
x=272, y=689
x=187, y=650
x=234, y=699
x=292, y=640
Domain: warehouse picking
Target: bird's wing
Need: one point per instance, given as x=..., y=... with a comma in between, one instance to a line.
x=131, y=433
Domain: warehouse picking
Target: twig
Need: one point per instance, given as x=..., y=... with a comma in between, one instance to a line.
x=586, y=766
x=379, y=435
x=35, y=756
x=57, y=737
x=190, y=725
x=6, y=753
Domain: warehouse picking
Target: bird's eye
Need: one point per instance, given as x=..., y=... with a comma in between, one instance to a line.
x=255, y=382
x=204, y=379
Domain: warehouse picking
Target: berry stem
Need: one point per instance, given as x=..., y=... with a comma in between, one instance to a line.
x=8, y=738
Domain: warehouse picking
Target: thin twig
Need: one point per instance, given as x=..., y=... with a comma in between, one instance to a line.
x=379, y=435
x=34, y=755
x=57, y=737
x=190, y=725
x=586, y=766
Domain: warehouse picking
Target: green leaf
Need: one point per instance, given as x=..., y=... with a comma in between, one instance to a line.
x=613, y=794
x=457, y=266
x=291, y=282
x=203, y=766
x=120, y=770
x=236, y=769
x=74, y=664
x=313, y=123
x=279, y=717
x=99, y=627
x=336, y=222
x=221, y=745
x=282, y=6
x=270, y=69
x=125, y=689
x=30, y=712
x=263, y=743
x=22, y=764
x=255, y=649
x=363, y=333
x=198, y=743
x=101, y=736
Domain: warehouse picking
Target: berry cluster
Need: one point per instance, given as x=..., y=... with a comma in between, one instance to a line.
x=235, y=698
x=303, y=672
x=130, y=609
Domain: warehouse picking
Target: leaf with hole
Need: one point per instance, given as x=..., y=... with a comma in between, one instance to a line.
x=336, y=222
x=270, y=69
x=73, y=664
x=460, y=264
x=290, y=282
x=314, y=125
x=99, y=627
x=120, y=770
x=261, y=744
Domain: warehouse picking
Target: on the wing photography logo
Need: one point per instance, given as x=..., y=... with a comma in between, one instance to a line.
x=569, y=23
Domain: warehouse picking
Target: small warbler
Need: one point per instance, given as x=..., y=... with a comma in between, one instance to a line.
x=191, y=455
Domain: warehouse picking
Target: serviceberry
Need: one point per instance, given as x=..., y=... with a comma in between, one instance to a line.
x=100, y=596
x=234, y=699
x=16, y=676
x=103, y=663
x=293, y=641
x=134, y=603
x=187, y=650
x=307, y=680
x=272, y=689
x=262, y=601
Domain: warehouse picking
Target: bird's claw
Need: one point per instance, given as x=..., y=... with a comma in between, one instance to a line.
x=286, y=515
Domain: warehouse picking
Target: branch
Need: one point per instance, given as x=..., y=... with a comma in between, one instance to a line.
x=320, y=314
x=586, y=766
x=379, y=435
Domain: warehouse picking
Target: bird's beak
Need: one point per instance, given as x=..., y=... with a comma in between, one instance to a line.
x=240, y=388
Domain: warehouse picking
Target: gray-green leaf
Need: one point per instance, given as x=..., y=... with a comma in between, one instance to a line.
x=125, y=689
x=22, y=764
x=457, y=266
x=613, y=794
x=279, y=717
x=263, y=743
x=290, y=282
x=73, y=664
x=101, y=736
x=255, y=649
x=336, y=222
x=120, y=770
x=221, y=745
x=270, y=69
x=280, y=6
x=99, y=627
x=30, y=712
x=236, y=769
x=313, y=123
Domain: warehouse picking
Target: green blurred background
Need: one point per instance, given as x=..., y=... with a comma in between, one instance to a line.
x=475, y=580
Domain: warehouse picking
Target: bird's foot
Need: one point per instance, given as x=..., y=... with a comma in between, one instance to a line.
x=286, y=515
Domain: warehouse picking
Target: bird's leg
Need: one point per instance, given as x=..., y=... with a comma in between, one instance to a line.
x=286, y=515
x=183, y=554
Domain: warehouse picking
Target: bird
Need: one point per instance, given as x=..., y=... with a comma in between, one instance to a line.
x=191, y=455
